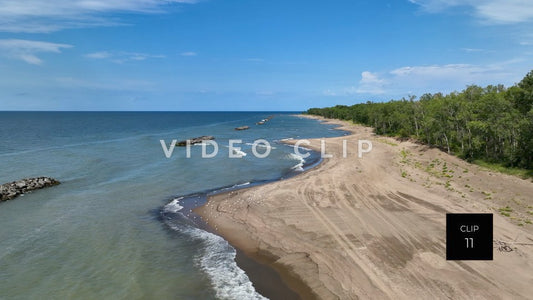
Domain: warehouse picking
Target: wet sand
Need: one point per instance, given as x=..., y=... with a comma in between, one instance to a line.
x=374, y=227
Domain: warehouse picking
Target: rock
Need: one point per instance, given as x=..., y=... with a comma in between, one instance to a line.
x=196, y=140
x=262, y=122
x=242, y=128
x=13, y=189
x=20, y=184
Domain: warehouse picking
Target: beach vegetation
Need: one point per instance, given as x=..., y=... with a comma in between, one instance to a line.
x=505, y=211
x=491, y=126
x=384, y=141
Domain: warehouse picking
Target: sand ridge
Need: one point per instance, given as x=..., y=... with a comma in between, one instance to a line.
x=374, y=227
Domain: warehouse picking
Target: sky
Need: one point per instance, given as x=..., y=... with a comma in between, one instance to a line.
x=251, y=55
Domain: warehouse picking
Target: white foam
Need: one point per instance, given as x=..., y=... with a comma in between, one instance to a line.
x=261, y=146
x=239, y=153
x=304, y=148
x=174, y=206
x=242, y=184
x=300, y=165
x=218, y=262
x=295, y=156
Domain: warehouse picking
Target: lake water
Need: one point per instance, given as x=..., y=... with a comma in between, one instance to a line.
x=116, y=227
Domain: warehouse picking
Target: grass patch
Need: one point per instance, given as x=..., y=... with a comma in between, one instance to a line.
x=505, y=211
x=446, y=171
x=384, y=141
x=522, y=173
x=404, y=154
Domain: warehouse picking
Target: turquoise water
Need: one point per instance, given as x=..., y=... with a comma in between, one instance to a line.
x=114, y=228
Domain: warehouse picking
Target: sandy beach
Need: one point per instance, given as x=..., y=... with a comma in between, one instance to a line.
x=374, y=227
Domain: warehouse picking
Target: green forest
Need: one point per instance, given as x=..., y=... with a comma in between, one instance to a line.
x=492, y=124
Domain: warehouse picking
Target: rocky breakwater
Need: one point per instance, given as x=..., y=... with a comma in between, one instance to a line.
x=196, y=140
x=13, y=189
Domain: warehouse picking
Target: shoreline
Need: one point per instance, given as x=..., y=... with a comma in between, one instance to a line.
x=375, y=227
x=250, y=261
x=263, y=259
x=256, y=264
x=270, y=281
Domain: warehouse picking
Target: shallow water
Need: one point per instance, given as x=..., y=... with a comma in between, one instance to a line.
x=100, y=233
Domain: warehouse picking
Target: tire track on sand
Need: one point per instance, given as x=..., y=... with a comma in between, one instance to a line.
x=306, y=191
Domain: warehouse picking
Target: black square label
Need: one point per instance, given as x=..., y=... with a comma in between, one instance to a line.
x=469, y=237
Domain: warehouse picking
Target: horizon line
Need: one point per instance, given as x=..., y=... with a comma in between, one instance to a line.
x=169, y=111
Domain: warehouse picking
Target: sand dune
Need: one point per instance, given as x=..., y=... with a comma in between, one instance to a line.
x=374, y=227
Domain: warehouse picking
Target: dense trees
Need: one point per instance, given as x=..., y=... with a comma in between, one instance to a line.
x=494, y=124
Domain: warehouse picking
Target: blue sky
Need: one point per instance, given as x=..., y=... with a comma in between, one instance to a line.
x=253, y=55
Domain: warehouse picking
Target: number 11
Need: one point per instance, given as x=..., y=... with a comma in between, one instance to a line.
x=469, y=242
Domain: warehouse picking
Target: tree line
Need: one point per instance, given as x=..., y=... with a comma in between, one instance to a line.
x=493, y=124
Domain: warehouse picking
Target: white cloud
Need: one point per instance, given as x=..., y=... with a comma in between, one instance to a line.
x=436, y=70
x=506, y=11
x=52, y=15
x=447, y=78
x=329, y=92
x=452, y=77
x=27, y=50
x=470, y=50
x=437, y=5
x=99, y=55
x=190, y=53
x=370, y=83
x=490, y=11
x=121, y=57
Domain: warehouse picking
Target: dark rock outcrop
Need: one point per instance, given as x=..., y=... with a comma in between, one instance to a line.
x=13, y=189
x=196, y=140
x=262, y=122
x=242, y=128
